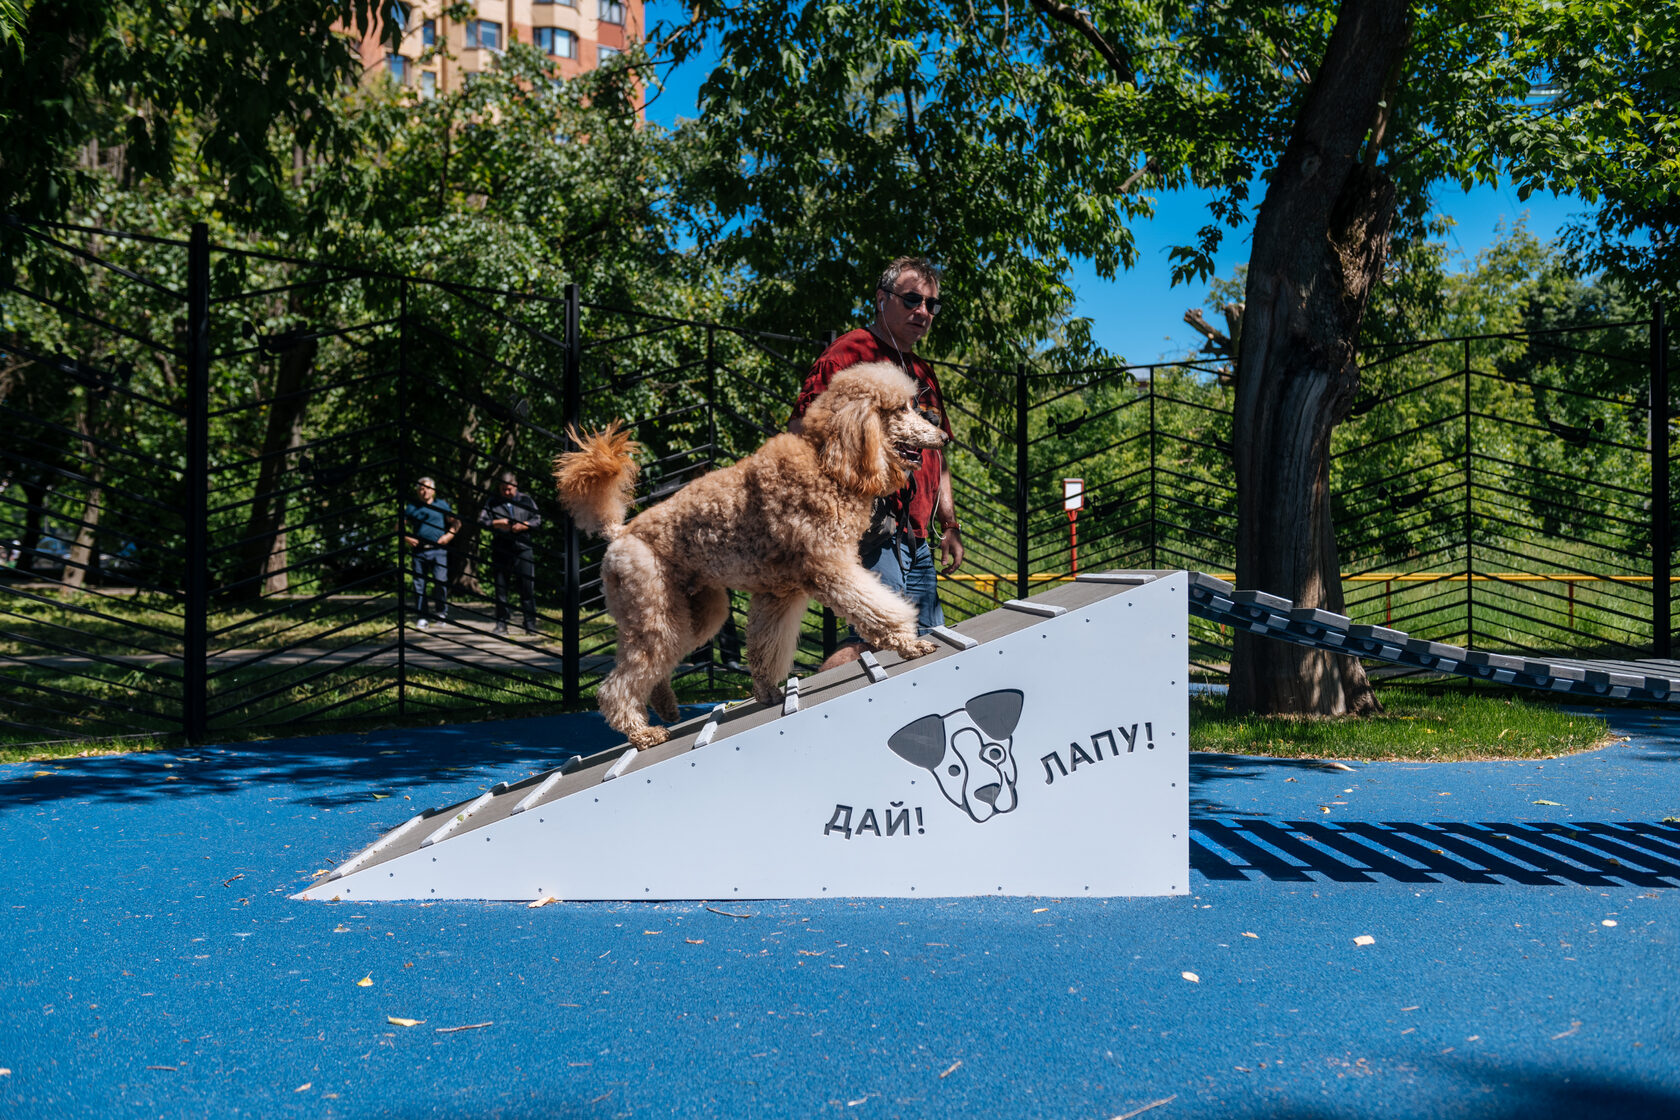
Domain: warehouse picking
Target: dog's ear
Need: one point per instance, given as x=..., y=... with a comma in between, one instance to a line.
x=854, y=447
x=921, y=743
x=996, y=713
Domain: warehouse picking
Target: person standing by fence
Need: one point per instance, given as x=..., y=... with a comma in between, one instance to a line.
x=428, y=526
x=510, y=517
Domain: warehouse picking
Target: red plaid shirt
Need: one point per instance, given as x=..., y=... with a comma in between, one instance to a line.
x=918, y=501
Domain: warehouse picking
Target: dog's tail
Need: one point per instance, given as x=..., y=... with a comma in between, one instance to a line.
x=597, y=482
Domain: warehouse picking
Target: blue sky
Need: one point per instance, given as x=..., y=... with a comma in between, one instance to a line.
x=1138, y=314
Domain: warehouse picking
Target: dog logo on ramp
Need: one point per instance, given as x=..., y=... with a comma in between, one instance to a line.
x=969, y=752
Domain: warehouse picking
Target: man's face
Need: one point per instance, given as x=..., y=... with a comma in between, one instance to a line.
x=426, y=493
x=906, y=325
x=509, y=488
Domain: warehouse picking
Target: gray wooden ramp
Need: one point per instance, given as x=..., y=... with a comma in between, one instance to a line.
x=1041, y=739
x=1272, y=617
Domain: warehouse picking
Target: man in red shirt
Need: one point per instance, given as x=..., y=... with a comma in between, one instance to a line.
x=906, y=301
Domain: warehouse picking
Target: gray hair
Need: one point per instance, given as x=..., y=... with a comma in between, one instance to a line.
x=919, y=265
x=425, y=480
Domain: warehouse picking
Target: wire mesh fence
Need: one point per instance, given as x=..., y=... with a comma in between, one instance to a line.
x=213, y=525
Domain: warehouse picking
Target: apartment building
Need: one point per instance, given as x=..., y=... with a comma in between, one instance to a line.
x=578, y=34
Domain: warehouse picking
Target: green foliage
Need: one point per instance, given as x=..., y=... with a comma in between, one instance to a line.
x=152, y=88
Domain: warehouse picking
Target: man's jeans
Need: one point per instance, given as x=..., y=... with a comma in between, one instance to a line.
x=905, y=564
x=431, y=565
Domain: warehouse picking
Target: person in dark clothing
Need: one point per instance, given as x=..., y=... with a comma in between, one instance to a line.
x=510, y=517
x=427, y=528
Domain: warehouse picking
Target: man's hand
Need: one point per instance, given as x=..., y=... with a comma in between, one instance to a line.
x=950, y=550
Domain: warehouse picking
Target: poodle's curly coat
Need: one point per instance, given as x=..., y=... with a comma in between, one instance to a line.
x=783, y=524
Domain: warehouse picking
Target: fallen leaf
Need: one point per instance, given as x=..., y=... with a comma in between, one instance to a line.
x=543, y=901
x=466, y=1027
x=1364, y=939
x=164, y=1067
x=695, y=940
x=1145, y=1108
x=380, y=796
x=342, y=929
x=810, y=952
x=1256, y=936
x=4, y=1072
x=1340, y=766
x=1041, y=910
x=304, y=1086
x=1574, y=1027
x=954, y=1066
x=366, y=981
x=1547, y=803
x=652, y=932
x=400, y=1022
x=1192, y=977
x=1608, y=922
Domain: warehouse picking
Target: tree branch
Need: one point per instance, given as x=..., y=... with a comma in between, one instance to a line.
x=1080, y=21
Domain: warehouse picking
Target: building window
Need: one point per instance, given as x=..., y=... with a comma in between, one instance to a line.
x=428, y=33
x=428, y=85
x=398, y=66
x=397, y=13
x=612, y=11
x=484, y=33
x=602, y=54
x=556, y=41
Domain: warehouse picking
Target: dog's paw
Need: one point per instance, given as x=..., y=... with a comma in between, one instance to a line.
x=916, y=647
x=648, y=737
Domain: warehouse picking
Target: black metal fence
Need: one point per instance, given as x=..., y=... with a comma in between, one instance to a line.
x=205, y=453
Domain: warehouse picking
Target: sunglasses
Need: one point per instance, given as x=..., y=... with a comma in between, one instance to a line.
x=913, y=300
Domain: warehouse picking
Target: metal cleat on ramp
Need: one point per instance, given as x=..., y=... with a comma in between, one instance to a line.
x=1040, y=750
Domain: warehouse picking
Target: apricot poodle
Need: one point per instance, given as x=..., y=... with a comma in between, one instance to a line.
x=782, y=524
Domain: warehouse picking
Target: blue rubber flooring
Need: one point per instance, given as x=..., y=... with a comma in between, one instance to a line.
x=1460, y=940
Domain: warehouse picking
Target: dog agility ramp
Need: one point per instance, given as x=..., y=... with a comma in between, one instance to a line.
x=1042, y=750
x=1270, y=616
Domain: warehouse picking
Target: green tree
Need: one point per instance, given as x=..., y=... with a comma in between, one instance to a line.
x=148, y=88
x=1006, y=139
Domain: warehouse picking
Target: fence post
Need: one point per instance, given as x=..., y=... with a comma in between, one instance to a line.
x=1662, y=529
x=1154, y=453
x=1022, y=562
x=404, y=481
x=195, y=652
x=1469, y=516
x=571, y=417
x=830, y=624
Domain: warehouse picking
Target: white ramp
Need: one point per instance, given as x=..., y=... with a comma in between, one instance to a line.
x=1042, y=751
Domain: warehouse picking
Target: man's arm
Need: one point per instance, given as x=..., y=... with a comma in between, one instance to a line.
x=533, y=515
x=950, y=538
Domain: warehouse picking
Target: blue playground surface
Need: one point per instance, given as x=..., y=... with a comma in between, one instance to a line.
x=1405, y=940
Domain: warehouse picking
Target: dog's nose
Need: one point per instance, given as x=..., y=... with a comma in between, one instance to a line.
x=988, y=794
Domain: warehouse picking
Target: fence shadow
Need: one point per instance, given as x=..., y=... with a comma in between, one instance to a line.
x=1486, y=853
x=322, y=771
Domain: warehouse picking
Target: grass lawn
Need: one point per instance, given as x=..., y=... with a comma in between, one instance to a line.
x=1416, y=725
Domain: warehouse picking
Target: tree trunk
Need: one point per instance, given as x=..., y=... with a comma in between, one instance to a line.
x=262, y=552
x=83, y=559
x=1318, y=250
